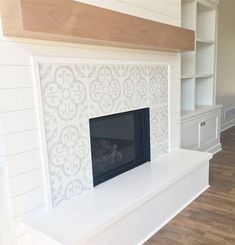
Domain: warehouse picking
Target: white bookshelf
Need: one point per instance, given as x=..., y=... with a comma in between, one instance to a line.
x=206, y=16
x=188, y=59
x=204, y=58
x=204, y=89
x=189, y=14
x=200, y=117
x=198, y=67
x=188, y=93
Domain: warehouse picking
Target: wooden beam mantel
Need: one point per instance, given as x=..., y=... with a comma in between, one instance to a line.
x=72, y=21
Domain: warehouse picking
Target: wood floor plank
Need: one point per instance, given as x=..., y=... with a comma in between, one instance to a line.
x=210, y=219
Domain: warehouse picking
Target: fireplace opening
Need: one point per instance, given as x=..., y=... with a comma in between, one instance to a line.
x=119, y=142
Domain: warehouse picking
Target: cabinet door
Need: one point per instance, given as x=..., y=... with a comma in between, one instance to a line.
x=210, y=130
x=190, y=134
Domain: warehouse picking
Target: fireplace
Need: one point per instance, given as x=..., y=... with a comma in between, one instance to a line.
x=119, y=142
x=100, y=104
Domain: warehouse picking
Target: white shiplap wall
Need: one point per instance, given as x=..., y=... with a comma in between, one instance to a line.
x=166, y=11
x=19, y=125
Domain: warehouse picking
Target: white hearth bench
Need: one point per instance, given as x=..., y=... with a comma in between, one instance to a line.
x=128, y=209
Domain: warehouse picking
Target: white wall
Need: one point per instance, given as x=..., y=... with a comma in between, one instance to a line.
x=166, y=11
x=225, y=93
x=19, y=126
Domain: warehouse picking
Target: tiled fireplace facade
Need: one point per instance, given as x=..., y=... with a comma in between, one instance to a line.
x=70, y=93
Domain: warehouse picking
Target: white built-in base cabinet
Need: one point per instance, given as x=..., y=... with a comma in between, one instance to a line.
x=201, y=129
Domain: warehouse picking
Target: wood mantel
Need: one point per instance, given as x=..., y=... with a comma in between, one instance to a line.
x=71, y=21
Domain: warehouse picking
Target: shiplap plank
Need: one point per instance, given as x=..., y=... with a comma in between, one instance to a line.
x=23, y=51
x=12, y=53
x=18, y=222
x=25, y=182
x=174, y=2
x=175, y=127
x=174, y=96
x=20, y=142
x=175, y=141
x=142, y=9
x=160, y=7
x=175, y=118
x=16, y=99
x=15, y=76
x=175, y=72
x=25, y=239
x=175, y=84
x=23, y=162
x=2, y=148
x=2, y=161
x=28, y=201
x=175, y=107
x=16, y=121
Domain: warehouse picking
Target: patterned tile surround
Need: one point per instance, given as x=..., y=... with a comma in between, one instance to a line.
x=70, y=94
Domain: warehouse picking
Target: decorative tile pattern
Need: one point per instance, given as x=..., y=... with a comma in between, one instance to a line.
x=135, y=87
x=64, y=92
x=105, y=89
x=73, y=93
x=159, y=131
x=158, y=86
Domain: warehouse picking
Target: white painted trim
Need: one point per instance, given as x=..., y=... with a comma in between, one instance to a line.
x=227, y=125
x=169, y=108
x=215, y=149
x=85, y=60
x=44, y=153
x=172, y=216
x=64, y=60
x=208, y=3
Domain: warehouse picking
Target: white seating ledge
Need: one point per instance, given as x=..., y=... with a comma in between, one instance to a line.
x=129, y=208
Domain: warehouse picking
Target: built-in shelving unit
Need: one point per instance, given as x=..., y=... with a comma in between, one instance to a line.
x=198, y=67
x=200, y=116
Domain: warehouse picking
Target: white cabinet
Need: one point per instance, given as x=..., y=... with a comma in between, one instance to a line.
x=210, y=130
x=191, y=134
x=201, y=131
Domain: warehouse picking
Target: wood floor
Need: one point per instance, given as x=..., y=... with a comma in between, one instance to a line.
x=210, y=219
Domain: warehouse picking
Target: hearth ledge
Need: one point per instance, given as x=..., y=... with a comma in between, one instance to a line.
x=127, y=209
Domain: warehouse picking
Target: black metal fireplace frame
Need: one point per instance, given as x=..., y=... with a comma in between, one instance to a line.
x=145, y=134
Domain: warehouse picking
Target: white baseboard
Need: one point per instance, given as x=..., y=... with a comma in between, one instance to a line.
x=227, y=125
x=215, y=149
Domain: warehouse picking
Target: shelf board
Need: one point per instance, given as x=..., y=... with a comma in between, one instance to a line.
x=205, y=41
x=187, y=76
x=197, y=76
x=204, y=75
x=200, y=109
x=76, y=22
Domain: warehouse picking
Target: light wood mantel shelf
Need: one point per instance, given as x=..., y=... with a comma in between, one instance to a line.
x=72, y=21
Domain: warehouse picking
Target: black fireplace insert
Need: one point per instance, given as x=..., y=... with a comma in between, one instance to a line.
x=119, y=142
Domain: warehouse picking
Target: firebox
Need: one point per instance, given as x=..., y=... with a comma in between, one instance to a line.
x=119, y=142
